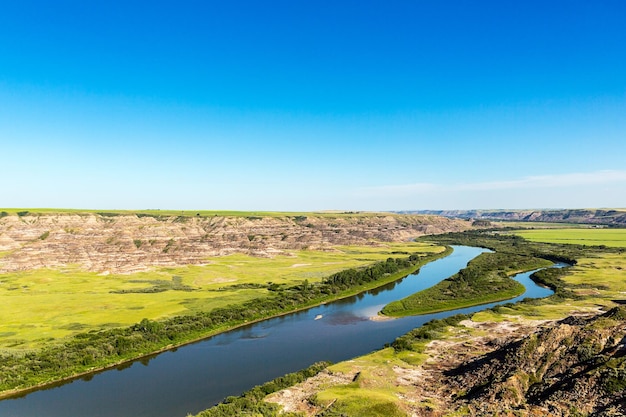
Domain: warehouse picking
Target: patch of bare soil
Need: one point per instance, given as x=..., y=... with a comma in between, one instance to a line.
x=296, y=398
x=380, y=317
x=298, y=265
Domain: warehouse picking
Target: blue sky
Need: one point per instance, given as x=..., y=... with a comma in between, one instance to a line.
x=313, y=105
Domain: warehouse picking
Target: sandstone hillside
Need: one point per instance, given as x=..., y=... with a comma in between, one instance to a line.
x=127, y=243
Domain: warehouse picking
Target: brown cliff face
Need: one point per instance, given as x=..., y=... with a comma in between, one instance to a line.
x=577, y=367
x=131, y=243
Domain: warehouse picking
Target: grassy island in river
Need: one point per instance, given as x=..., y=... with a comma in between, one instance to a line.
x=486, y=279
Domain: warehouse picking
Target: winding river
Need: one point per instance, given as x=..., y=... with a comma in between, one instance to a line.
x=194, y=377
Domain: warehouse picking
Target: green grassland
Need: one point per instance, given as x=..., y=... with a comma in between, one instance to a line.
x=186, y=213
x=44, y=305
x=598, y=278
x=578, y=236
x=595, y=281
x=539, y=225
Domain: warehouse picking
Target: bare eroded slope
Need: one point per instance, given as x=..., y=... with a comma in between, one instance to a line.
x=131, y=243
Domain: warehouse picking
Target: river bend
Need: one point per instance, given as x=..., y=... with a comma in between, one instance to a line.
x=196, y=376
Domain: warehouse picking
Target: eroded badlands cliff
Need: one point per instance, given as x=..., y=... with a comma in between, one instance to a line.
x=114, y=243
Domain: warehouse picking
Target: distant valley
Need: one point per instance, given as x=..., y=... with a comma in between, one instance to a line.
x=607, y=217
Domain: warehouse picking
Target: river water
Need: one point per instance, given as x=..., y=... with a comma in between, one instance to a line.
x=195, y=377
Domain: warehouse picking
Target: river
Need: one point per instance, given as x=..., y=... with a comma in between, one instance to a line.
x=196, y=376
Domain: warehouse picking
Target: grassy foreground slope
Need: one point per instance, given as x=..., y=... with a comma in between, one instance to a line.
x=409, y=378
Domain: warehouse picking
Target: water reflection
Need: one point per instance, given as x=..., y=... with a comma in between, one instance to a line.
x=341, y=319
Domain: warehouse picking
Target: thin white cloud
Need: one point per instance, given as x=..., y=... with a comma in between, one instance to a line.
x=548, y=181
x=417, y=188
x=540, y=181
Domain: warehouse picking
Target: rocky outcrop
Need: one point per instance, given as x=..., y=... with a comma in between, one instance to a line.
x=576, y=367
x=112, y=243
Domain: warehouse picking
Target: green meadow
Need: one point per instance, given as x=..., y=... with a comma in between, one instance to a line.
x=44, y=305
x=596, y=281
x=578, y=236
x=598, y=278
x=185, y=213
x=537, y=225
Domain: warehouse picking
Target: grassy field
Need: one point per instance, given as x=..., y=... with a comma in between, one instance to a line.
x=539, y=225
x=40, y=306
x=187, y=213
x=578, y=236
x=597, y=280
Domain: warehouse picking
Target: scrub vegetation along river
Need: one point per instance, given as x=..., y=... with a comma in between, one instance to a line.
x=563, y=355
x=83, y=291
x=486, y=279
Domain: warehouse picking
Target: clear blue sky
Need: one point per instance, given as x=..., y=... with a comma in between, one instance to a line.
x=312, y=105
